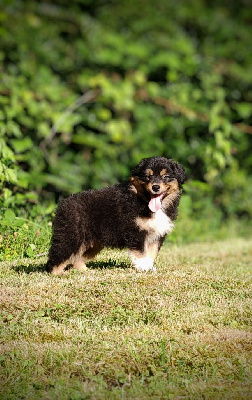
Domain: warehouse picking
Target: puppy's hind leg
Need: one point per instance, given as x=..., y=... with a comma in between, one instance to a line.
x=57, y=269
x=87, y=255
x=60, y=256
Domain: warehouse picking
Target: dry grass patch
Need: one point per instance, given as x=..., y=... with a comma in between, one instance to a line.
x=113, y=333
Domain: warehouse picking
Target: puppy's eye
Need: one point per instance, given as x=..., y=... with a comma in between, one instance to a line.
x=146, y=178
x=167, y=178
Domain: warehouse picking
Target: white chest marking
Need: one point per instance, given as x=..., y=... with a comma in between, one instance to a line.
x=162, y=223
x=157, y=226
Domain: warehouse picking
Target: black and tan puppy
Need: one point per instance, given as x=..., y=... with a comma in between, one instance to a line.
x=136, y=215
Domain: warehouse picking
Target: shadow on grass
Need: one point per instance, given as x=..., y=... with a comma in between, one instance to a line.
x=30, y=266
x=110, y=264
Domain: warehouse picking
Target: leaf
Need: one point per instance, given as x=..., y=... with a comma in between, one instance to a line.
x=9, y=216
x=10, y=175
x=30, y=250
x=244, y=109
x=220, y=159
x=21, y=145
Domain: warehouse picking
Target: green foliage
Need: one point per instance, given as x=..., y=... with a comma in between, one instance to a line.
x=23, y=238
x=89, y=88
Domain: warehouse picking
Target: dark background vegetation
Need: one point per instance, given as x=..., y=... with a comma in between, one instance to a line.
x=88, y=88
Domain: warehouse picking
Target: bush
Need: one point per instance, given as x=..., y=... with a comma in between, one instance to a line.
x=89, y=88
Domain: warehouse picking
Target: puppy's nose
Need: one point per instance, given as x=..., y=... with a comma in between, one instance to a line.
x=155, y=188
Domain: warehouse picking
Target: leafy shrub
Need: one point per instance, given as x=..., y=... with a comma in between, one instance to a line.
x=89, y=88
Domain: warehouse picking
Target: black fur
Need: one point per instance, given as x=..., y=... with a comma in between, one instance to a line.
x=95, y=219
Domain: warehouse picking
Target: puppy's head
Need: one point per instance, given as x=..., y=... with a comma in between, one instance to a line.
x=156, y=179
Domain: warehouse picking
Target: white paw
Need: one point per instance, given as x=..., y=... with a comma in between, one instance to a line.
x=144, y=264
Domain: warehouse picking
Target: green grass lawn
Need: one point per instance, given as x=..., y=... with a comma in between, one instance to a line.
x=182, y=332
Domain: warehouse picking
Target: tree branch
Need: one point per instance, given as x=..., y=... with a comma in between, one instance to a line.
x=171, y=106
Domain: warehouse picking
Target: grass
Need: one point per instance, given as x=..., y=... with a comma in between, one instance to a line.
x=182, y=332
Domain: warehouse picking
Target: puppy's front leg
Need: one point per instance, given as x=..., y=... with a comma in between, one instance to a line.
x=143, y=261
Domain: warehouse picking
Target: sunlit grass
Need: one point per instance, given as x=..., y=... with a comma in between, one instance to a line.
x=114, y=333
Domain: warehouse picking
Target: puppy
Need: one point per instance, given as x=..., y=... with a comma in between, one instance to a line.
x=136, y=215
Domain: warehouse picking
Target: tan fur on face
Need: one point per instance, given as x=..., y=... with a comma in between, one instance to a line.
x=173, y=191
x=170, y=187
x=138, y=186
x=173, y=186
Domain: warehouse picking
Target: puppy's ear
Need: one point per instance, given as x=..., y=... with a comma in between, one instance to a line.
x=135, y=184
x=179, y=172
x=137, y=170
